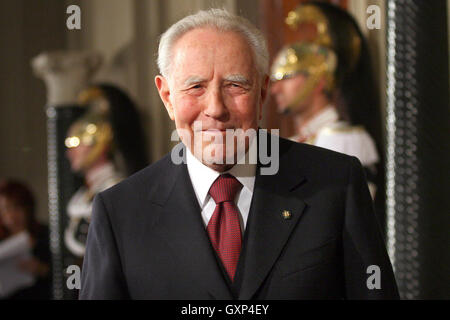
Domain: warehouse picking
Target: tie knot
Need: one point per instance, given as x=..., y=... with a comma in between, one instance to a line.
x=225, y=188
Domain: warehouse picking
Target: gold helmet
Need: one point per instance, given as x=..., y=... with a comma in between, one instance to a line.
x=307, y=13
x=317, y=54
x=93, y=129
x=309, y=59
x=338, y=33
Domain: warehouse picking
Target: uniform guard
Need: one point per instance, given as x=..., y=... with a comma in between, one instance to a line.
x=325, y=82
x=104, y=145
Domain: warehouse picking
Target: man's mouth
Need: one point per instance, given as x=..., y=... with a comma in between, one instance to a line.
x=217, y=130
x=214, y=132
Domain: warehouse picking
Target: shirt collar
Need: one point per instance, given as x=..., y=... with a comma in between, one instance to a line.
x=103, y=177
x=322, y=119
x=202, y=177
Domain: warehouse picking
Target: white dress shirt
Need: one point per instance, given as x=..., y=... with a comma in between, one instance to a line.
x=202, y=177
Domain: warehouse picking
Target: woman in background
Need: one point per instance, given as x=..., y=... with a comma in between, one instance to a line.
x=17, y=215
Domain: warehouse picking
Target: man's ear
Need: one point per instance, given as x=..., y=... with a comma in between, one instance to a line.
x=164, y=93
x=264, y=90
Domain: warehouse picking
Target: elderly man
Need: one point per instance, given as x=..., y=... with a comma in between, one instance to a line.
x=216, y=228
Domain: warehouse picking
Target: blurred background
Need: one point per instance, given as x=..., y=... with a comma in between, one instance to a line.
x=45, y=65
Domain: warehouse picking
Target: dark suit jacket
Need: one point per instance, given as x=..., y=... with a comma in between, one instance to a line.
x=147, y=239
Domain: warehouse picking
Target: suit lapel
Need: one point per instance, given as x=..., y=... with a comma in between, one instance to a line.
x=182, y=227
x=268, y=230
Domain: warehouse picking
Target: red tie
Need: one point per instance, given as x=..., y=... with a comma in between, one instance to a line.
x=223, y=227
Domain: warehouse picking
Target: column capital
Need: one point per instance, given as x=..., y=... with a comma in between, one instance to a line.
x=65, y=73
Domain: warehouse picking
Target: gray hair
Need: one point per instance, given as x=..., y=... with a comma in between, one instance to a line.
x=221, y=20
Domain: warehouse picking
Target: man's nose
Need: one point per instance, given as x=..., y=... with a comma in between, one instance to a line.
x=215, y=105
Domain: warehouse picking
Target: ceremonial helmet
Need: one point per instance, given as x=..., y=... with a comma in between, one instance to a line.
x=328, y=46
x=93, y=128
x=110, y=124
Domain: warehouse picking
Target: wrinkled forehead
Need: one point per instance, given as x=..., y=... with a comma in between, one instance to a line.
x=205, y=50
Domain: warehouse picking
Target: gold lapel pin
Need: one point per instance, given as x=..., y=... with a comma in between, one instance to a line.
x=286, y=215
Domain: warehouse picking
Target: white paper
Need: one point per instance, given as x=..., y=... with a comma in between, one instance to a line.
x=12, y=251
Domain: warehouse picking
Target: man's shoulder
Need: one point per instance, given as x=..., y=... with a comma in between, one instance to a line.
x=142, y=181
x=316, y=163
x=311, y=154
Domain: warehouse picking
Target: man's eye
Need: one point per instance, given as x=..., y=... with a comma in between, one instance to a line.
x=196, y=89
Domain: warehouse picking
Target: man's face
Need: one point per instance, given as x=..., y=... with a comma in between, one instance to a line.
x=286, y=91
x=78, y=154
x=213, y=80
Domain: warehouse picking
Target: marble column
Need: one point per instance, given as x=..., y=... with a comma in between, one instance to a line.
x=65, y=74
